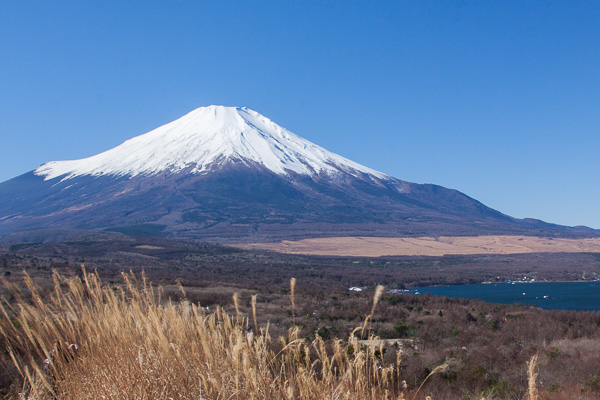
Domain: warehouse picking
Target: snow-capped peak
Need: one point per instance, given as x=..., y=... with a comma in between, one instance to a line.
x=204, y=138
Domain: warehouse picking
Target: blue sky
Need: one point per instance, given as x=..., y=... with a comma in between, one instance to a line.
x=498, y=99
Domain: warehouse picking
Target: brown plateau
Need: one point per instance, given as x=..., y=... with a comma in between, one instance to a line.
x=362, y=246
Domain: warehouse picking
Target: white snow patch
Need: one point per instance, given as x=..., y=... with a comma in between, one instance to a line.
x=206, y=137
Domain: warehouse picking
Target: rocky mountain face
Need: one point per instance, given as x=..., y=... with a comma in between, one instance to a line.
x=231, y=174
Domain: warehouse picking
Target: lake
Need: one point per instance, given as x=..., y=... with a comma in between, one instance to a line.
x=548, y=295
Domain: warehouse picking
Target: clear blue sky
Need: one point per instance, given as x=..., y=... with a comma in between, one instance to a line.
x=498, y=99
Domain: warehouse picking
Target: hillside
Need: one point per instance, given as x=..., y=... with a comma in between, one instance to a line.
x=230, y=174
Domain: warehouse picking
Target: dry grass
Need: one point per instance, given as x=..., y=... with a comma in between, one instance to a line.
x=292, y=290
x=102, y=342
x=378, y=292
x=532, y=375
x=362, y=246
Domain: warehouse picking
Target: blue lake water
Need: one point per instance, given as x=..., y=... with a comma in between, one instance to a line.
x=548, y=295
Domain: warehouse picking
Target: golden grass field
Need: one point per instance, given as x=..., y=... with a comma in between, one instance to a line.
x=363, y=246
x=91, y=341
x=88, y=340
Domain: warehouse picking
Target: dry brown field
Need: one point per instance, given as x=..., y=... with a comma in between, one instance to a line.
x=362, y=246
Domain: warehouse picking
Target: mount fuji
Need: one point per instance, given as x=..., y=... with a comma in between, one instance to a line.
x=231, y=174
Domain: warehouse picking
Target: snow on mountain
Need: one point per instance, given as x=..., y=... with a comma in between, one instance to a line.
x=208, y=137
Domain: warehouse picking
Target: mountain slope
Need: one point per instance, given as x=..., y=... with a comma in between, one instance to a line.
x=231, y=174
